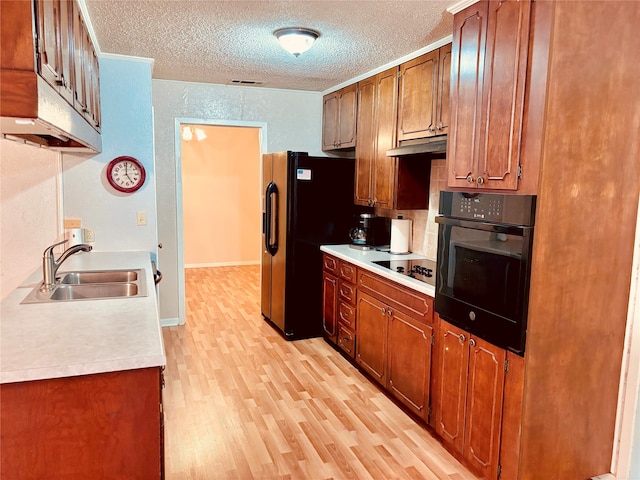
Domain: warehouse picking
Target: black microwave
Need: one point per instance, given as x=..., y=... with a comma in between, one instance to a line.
x=484, y=264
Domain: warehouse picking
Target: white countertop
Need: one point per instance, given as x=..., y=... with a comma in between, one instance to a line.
x=364, y=259
x=69, y=338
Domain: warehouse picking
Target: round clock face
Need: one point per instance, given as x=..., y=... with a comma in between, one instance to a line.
x=125, y=174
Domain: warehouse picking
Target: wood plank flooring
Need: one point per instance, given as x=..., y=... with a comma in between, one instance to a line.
x=242, y=403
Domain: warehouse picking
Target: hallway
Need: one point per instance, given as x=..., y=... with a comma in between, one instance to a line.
x=242, y=403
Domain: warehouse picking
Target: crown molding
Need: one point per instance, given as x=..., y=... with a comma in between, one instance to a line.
x=459, y=6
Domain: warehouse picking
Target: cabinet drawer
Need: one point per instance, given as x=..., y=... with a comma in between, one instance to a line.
x=346, y=340
x=406, y=300
x=347, y=291
x=347, y=272
x=347, y=314
x=330, y=264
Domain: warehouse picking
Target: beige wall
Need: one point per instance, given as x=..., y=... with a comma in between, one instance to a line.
x=221, y=197
x=29, y=183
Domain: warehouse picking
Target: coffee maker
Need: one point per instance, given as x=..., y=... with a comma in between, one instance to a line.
x=372, y=231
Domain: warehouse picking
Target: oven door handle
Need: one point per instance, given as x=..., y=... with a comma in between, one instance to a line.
x=518, y=230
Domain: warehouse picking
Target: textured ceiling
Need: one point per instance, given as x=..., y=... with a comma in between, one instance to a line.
x=219, y=41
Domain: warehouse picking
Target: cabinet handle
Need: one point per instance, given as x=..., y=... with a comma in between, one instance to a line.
x=480, y=180
x=462, y=338
x=389, y=312
x=472, y=343
x=469, y=179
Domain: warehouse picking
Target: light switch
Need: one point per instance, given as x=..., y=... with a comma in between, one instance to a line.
x=141, y=218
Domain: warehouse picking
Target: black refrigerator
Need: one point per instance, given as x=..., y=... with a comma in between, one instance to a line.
x=306, y=202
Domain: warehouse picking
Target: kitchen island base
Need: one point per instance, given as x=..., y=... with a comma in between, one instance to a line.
x=106, y=425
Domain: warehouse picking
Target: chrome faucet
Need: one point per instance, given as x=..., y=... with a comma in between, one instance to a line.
x=50, y=265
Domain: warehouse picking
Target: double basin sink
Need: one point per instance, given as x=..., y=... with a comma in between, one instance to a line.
x=92, y=285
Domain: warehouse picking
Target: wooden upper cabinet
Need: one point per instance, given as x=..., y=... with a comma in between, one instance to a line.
x=382, y=181
x=365, y=142
x=443, y=116
x=386, y=111
x=377, y=110
x=488, y=75
x=55, y=45
x=423, y=95
x=339, y=119
x=50, y=74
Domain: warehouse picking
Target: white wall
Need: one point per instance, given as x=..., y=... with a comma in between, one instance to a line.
x=294, y=122
x=127, y=129
x=29, y=208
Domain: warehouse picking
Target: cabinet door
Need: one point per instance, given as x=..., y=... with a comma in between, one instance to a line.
x=330, y=121
x=49, y=48
x=95, y=114
x=80, y=39
x=417, y=95
x=106, y=425
x=371, y=334
x=503, y=88
x=386, y=111
x=443, y=118
x=329, y=305
x=365, y=142
x=347, y=108
x=463, y=143
x=410, y=362
x=55, y=44
x=485, y=389
x=450, y=396
x=66, y=51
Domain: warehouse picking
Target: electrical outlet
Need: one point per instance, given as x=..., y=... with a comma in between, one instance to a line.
x=88, y=234
x=141, y=218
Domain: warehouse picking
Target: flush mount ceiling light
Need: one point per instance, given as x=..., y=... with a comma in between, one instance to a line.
x=296, y=40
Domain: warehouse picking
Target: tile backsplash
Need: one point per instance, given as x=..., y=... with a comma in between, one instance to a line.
x=425, y=230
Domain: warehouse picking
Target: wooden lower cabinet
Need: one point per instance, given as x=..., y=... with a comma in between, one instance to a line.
x=107, y=425
x=394, y=339
x=371, y=346
x=329, y=305
x=468, y=401
x=409, y=365
x=339, y=303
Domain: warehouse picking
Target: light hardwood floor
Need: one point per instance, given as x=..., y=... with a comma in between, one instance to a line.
x=242, y=403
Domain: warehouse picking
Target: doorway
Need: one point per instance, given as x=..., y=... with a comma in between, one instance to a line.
x=218, y=195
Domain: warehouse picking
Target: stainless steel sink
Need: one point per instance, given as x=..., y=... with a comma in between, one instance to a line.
x=94, y=290
x=106, y=276
x=92, y=285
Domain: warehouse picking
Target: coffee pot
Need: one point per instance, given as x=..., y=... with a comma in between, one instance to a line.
x=372, y=231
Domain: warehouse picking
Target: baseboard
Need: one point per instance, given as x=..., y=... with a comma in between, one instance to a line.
x=604, y=476
x=222, y=264
x=169, y=322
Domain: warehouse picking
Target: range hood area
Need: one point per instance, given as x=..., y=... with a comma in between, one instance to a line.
x=45, y=119
x=433, y=145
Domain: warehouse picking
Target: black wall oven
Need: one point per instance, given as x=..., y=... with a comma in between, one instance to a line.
x=484, y=264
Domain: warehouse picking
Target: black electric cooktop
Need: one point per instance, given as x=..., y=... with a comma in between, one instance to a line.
x=423, y=270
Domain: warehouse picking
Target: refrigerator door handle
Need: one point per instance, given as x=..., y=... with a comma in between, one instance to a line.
x=271, y=220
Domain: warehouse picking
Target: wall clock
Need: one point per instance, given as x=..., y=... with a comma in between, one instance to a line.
x=125, y=174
